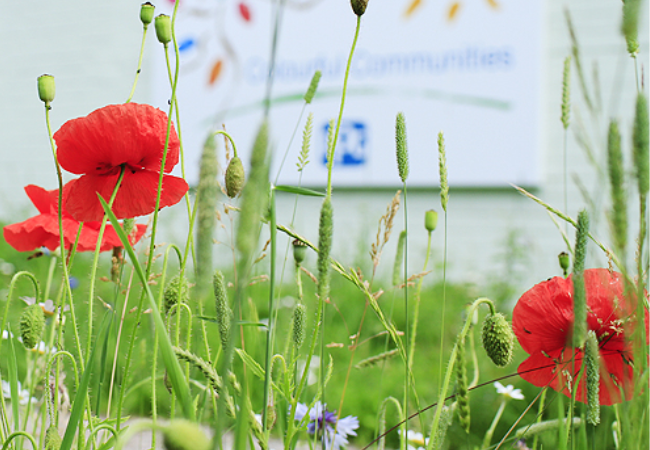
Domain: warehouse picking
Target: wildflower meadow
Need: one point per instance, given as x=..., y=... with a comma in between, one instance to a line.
x=110, y=334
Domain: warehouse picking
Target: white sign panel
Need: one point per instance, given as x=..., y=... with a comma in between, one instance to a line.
x=469, y=68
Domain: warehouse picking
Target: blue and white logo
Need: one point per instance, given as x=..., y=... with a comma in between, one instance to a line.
x=352, y=146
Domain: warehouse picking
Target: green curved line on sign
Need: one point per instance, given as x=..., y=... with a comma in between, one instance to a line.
x=433, y=94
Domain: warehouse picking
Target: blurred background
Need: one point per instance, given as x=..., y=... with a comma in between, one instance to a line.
x=488, y=73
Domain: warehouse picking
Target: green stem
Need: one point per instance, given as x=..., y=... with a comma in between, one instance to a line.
x=450, y=365
x=137, y=72
x=444, y=303
x=330, y=163
x=407, y=362
x=493, y=425
x=93, y=269
x=269, y=330
x=16, y=434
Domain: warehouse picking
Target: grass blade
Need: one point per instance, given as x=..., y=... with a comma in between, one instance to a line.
x=169, y=358
x=299, y=191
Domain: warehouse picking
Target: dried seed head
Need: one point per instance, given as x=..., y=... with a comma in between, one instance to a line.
x=430, y=220
x=146, y=13
x=593, y=378
x=177, y=291
x=313, y=85
x=359, y=6
x=46, y=89
x=498, y=339
x=52, y=438
x=299, y=323
x=235, y=177
x=401, y=147
x=182, y=434
x=163, y=24
x=299, y=251
x=32, y=323
x=222, y=307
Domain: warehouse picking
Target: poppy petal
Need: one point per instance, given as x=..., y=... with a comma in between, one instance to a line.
x=42, y=199
x=132, y=134
x=135, y=197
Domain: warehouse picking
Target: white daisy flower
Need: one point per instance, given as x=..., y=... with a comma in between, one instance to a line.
x=415, y=440
x=23, y=394
x=508, y=391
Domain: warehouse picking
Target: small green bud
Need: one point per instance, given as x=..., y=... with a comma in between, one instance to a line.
x=176, y=292
x=430, y=220
x=299, y=251
x=46, y=89
x=52, y=439
x=498, y=339
x=146, y=13
x=299, y=322
x=32, y=324
x=163, y=24
x=313, y=85
x=359, y=6
x=182, y=434
x=565, y=262
x=235, y=177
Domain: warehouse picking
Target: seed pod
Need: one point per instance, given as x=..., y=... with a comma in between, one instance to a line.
x=462, y=397
x=359, y=6
x=182, y=434
x=235, y=177
x=430, y=220
x=46, y=89
x=299, y=323
x=176, y=292
x=222, y=307
x=579, y=295
x=401, y=147
x=325, y=229
x=32, y=324
x=163, y=24
x=593, y=379
x=498, y=339
x=313, y=85
x=299, y=251
x=52, y=439
x=565, y=262
x=146, y=13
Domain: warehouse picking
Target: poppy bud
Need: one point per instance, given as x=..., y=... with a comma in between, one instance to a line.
x=163, y=26
x=430, y=220
x=176, y=291
x=32, y=323
x=299, y=319
x=299, y=251
x=46, y=89
x=498, y=339
x=182, y=434
x=359, y=6
x=146, y=13
x=235, y=177
x=52, y=439
x=565, y=261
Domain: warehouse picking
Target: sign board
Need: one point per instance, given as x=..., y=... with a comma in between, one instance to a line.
x=469, y=68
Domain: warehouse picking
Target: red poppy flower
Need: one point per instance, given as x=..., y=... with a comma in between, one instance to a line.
x=98, y=145
x=543, y=323
x=43, y=230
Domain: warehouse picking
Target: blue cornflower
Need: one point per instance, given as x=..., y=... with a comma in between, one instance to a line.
x=335, y=432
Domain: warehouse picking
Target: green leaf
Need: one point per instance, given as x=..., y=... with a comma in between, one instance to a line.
x=169, y=358
x=77, y=412
x=300, y=191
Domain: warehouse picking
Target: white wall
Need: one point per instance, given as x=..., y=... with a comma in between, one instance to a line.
x=92, y=49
